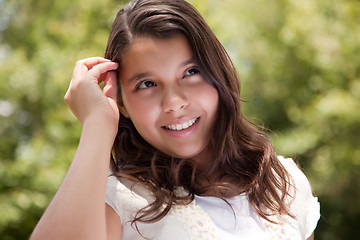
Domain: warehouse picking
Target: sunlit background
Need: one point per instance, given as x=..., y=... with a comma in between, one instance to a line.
x=299, y=62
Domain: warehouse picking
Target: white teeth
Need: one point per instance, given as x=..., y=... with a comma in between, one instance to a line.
x=183, y=126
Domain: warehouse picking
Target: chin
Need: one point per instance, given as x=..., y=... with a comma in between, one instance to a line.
x=188, y=153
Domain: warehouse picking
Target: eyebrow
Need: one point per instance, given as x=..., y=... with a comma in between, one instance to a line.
x=138, y=76
x=187, y=62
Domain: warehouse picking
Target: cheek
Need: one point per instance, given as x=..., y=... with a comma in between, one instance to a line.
x=209, y=98
x=143, y=113
x=213, y=107
x=213, y=96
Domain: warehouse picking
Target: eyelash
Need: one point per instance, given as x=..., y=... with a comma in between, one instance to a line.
x=143, y=83
x=191, y=69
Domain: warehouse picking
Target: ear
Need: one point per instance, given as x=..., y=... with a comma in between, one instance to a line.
x=123, y=111
x=122, y=108
x=120, y=103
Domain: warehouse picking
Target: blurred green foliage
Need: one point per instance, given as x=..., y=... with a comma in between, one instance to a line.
x=298, y=62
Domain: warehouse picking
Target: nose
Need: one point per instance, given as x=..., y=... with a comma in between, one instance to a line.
x=174, y=100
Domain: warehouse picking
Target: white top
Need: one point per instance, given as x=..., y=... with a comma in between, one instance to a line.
x=212, y=218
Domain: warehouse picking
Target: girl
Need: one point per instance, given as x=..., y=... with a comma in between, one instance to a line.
x=185, y=164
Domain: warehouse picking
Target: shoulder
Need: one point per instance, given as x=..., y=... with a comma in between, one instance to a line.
x=126, y=197
x=298, y=178
x=300, y=186
x=302, y=204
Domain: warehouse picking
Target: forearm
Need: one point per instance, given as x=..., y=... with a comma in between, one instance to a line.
x=78, y=210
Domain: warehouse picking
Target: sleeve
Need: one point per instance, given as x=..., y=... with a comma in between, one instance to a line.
x=111, y=195
x=126, y=198
x=304, y=206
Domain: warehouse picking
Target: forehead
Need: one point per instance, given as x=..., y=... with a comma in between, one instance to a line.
x=146, y=51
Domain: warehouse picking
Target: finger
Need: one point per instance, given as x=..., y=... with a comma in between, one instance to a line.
x=93, y=61
x=102, y=68
x=110, y=85
x=84, y=65
x=102, y=77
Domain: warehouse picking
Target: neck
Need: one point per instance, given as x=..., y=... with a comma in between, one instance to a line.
x=203, y=159
x=214, y=180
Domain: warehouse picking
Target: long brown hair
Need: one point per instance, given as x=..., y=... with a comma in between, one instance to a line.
x=242, y=152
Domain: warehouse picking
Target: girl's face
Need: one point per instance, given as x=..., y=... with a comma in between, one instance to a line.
x=171, y=105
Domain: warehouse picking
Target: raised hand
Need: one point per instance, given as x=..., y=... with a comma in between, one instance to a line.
x=68, y=215
x=86, y=99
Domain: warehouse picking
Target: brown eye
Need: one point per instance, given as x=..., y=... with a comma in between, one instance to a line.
x=146, y=84
x=191, y=71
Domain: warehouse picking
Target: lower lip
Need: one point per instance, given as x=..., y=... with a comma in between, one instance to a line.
x=183, y=133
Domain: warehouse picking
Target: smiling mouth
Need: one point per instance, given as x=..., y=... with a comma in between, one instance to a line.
x=183, y=126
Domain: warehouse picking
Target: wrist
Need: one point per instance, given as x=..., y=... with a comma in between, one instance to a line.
x=101, y=128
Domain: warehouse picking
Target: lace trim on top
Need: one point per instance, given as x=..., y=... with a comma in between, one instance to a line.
x=282, y=228
x=202, y=227
x=199, y=227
